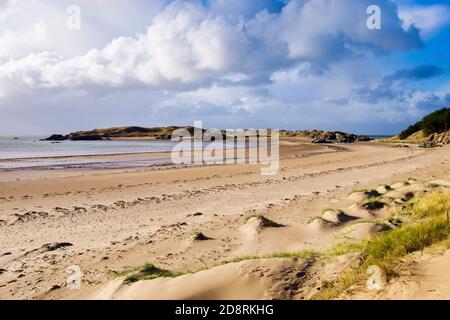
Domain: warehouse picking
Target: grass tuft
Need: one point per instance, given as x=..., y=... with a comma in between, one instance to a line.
x=431, y=205
x=149, y=272
x=304, y=254
x=428, y=226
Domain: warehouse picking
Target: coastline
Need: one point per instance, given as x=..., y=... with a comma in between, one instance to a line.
x=125, y=160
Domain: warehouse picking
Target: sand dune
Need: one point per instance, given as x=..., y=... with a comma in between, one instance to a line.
x=247, y=280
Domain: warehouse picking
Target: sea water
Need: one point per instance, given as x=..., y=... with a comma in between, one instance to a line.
x=31, y=152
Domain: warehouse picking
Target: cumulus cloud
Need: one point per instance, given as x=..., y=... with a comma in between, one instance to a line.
x=189, y=45
x=244, y=9
x=34, y=26
x=428, y=19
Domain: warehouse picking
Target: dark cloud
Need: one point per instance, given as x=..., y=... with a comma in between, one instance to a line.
x=394, y=87
x=422, y=72
x=433, y=102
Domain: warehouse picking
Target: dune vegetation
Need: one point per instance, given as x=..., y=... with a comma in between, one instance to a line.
x=426, y=222
x=423, y=222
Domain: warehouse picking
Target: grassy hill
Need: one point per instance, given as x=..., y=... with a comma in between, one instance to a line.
x=433, y=129
x=120, y=133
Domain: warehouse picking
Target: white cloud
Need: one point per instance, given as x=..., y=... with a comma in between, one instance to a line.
x=41, y=25
x=429, y=19
x=189, y=45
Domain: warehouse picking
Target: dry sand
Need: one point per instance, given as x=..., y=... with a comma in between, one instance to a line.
x=107, y=221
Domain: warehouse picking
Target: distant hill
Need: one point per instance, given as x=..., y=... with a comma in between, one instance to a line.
x=433, y=129
x=133, y=132
x=165, y=133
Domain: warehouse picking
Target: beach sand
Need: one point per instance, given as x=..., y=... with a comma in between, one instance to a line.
x=108, y=221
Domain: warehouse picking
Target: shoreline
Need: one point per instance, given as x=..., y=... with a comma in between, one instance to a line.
x=130, y=159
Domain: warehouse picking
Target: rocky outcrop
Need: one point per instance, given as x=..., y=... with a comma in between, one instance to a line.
x=333, y=136
x=117, y=133
x=438, y=138
x=424, y=141
x=55, y=137
x=157, y=133
x=167, y=133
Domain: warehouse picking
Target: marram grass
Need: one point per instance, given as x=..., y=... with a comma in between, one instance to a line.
x=429, y=225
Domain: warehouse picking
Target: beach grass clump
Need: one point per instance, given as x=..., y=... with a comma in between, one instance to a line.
x=428, y=226
x=303, y=254
x=386, y=249
x=148, y=272
x=431, y=205
x=345, y=248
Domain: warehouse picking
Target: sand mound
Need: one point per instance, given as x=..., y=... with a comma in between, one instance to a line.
x=426, y=277
x=441, y=182
x=254, y=226
x=367, y=211
x=320, y=224
x=359, y=231
x=399, y=185
x=357, y=196
x=338, y=216
x=262, y=222
x=383, y=189
x=198, y=236
x=247, y=280
x=364, y=195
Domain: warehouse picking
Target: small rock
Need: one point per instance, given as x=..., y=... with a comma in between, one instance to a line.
x=56, y=246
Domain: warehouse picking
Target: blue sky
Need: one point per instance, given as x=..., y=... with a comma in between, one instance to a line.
x=298, y=64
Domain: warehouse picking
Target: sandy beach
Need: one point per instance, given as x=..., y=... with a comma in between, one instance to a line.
x=107, y=221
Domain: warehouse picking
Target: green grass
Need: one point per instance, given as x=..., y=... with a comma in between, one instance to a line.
x=427, y=225
x=434, y=204
x=147, y=272
x=345, y=248
x=277, y=255
x=385, y=251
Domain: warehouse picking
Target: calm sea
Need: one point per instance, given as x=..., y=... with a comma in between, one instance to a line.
x=32, y=147
x=32, y=153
